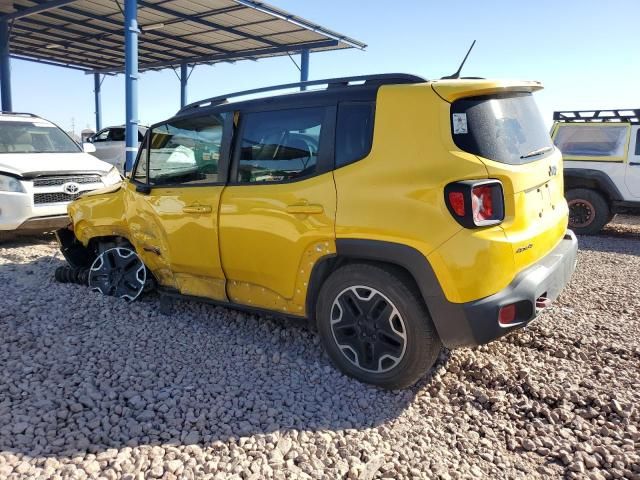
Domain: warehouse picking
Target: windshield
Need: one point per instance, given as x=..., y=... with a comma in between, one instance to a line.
x=34, y=137
x=506, y=128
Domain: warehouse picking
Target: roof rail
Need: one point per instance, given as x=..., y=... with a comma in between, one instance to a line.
x=5, y=112
x=380, y=79
x=626, y=115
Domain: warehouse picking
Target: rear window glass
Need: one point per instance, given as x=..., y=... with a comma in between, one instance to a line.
x=354, y=132
x=506, y=128
x=589, y=140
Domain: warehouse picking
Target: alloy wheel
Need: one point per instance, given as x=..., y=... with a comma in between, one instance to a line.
x=368, y=329
x=118, y=272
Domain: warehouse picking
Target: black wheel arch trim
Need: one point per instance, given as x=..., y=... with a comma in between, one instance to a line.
x=593, y=179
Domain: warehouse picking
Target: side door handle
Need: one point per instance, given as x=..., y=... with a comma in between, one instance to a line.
x=197, y=209
x=305, y=209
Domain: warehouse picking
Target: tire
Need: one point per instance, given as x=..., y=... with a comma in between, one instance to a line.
x=375, y=326
x=588, y=211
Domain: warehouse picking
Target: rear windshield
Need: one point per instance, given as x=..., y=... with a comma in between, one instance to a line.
x=34, y=137
x=506, y=128
x=591, y=140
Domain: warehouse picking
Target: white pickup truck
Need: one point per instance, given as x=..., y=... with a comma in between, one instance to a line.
x=601, y=153
x=41, y=170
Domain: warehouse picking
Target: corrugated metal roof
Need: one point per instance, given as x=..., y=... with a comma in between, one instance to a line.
x=88, y=34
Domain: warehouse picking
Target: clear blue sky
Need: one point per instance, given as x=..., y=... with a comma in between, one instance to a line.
x=584, y=51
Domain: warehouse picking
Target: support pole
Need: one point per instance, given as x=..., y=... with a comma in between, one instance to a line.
x=5, y=67
x=97, y=83
x=304, y=67
x=184, y=78
x=131, y=80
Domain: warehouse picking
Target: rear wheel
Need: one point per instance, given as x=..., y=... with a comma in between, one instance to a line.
x=375, y=326
x=588, y=211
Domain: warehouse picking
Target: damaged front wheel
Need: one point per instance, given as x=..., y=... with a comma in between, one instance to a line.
x=118, y=272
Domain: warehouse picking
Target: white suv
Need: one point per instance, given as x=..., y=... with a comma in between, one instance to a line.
x=41, y=170
x=601, y=153
x=110, y=144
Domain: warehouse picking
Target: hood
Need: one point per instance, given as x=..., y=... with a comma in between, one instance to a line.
x=29, y=165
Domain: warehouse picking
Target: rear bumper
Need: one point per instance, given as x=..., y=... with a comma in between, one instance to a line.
x=476, y=323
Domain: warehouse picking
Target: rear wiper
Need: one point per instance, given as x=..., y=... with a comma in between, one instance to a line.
x=538, y=151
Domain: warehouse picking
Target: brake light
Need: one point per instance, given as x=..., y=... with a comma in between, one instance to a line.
x=456, y=200
x=476, y=203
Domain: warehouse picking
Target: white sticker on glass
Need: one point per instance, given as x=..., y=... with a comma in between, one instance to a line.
x=460, y=123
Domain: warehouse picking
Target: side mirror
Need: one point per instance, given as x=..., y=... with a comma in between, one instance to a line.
x=88, y=148
x=143, y=188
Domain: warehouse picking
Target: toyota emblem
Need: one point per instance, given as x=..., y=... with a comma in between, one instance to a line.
x=71, y=188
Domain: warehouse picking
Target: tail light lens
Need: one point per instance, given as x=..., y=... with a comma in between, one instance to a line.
x=475, y=203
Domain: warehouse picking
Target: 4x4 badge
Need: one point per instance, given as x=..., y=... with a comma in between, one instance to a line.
x=553, y=170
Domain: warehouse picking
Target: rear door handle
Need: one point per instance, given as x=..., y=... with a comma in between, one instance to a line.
x=305, y=209
x=197, y=209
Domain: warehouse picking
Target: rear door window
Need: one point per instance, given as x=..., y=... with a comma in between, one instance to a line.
x=281, y=145
x=592, y=140
x=504, y=128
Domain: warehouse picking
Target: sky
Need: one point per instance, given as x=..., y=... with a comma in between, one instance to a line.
x=584, y=51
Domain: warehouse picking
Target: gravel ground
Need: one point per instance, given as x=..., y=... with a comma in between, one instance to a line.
x=92, y=387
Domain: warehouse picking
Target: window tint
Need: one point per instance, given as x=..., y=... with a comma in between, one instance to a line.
x=637, y=152
x=280, y=145
x=186, y=151
x=116, y=135
x=591, y=140
x=354, y=132
x=504, y=128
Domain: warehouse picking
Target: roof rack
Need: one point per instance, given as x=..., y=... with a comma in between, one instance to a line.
x=23, y=114
x=627, y=115
x=380, y=79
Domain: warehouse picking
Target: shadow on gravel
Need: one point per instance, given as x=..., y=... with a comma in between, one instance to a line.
x=626, y=242
x=83, y=372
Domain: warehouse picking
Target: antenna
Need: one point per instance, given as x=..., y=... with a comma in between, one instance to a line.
x=457, y=74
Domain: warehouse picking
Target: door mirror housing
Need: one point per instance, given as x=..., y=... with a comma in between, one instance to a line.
x=88, y=148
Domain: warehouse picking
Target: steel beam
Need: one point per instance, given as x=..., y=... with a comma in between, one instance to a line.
x=184, y=79
x=5, y=67
x=43, y=7
x=304, y=68
x=97, y=83
x=131, y=81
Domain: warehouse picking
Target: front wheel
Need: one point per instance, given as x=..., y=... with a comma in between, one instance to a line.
x=588, y=211
x=375, y=327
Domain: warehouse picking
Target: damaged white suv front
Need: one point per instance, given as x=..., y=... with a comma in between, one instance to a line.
x=41, y=170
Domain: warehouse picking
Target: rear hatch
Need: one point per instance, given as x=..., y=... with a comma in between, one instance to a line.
x=501, y=125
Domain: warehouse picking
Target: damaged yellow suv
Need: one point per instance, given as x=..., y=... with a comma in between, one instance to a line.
x=398, y=214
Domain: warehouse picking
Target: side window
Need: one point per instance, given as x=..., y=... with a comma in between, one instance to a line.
x=116, y=135
x=101, y=136
x=354, y=131
x=592, y=140
x=637, y=152
x=186, y=151
x=280, y=145
x=140, y=135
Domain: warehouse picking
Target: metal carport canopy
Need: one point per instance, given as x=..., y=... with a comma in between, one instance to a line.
x=111, y=36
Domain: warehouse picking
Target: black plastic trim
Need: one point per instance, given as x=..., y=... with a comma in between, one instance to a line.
x=472, y=323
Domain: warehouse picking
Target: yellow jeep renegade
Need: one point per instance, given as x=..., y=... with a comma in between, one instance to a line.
x=397, y=213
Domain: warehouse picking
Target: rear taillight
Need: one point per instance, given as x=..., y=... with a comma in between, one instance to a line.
x=475, y=203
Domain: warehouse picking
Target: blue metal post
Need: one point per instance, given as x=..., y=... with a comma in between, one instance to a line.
x=131, y=80
x=304, y=67
x=96, y=93
x=184, y=78
x=5, y=67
